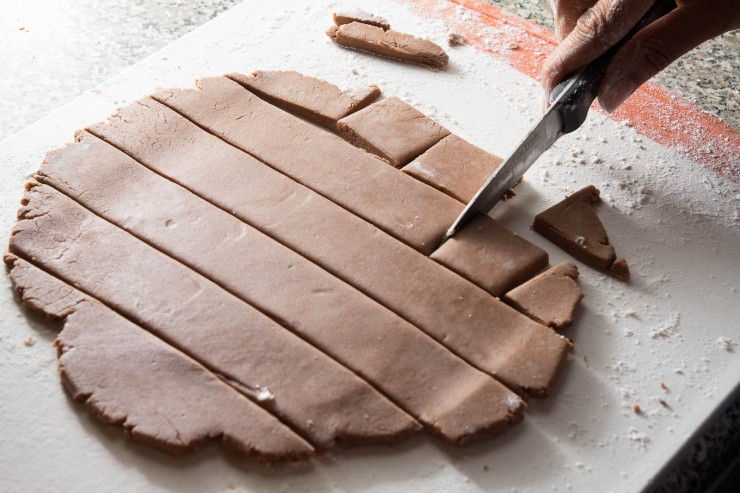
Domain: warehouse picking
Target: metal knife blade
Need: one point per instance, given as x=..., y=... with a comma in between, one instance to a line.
x=570, y=102
x=539, y=139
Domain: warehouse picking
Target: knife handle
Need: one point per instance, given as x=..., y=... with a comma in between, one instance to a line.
x=583, y=84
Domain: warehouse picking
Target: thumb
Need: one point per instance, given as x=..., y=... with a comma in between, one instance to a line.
x=656, y=46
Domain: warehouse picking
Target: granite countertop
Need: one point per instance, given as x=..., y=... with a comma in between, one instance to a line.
x=53, y=50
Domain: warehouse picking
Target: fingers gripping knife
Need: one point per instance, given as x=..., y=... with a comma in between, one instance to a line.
x=569, y=105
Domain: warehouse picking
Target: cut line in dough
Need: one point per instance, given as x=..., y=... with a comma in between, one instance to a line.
x=313, y=99
x=194, y=405
x=217, y=237
x=391, y=129
x=357, y=15
x=417, y=373
x=445, y=306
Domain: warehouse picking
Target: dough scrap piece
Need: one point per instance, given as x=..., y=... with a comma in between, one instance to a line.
x=357, y=15
x=454, y=166
x=446, y=394
x=328, y=404
x=116, y=367
x=491, y=256
x=455, y=39
x=550, y=298
x=573, y=225
x=314, y=99
x=392, y=129
x=391, y=44
x=318, y=159
x=464, y=318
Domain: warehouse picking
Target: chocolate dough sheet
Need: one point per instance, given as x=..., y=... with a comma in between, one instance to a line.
x=325, y=163
x=193, y=405
x=313, y=99
x=464, y=318
x=392, y=44
x=446, y=394
x=327, y=404
x=351, y=177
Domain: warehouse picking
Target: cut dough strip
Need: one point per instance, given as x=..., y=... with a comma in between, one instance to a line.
x=550, y=298
x=397, y=204
x=464, y=318
x=392, y=129
x=391, y=44
x=318, y=159
x=454, y=166
x=326, y=402
x=453, y=399
x=491, y=256
x=97, y=346
x=313, y=99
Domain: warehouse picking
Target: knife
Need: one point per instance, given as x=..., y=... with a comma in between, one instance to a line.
x=570, y=101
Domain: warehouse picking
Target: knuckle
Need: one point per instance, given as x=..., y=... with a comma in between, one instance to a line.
x=653, y=55
x=592, y=26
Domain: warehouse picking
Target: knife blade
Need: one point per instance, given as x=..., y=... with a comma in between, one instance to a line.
x=570, y=102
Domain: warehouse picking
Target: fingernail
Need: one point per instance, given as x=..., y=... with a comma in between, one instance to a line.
x=613, y=95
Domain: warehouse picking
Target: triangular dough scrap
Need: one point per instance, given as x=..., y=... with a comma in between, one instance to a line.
x=314, y=99
x=574, y=226
x=392, y=129
x=550, y=298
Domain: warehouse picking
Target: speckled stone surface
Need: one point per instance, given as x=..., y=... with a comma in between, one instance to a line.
x=53, y=50
x=708, y=75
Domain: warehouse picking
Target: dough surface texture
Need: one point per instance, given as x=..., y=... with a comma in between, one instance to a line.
x=228, y=272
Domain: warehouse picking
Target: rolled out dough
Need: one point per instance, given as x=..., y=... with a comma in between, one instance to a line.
x=328, y=404
x=450, y=397
x=491, y=256
x=193, y=405
x=212, y=254
x=434, y=299
x=324, y=162
x=454, y=166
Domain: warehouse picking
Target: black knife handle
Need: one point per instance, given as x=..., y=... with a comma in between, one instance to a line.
x=583, y=84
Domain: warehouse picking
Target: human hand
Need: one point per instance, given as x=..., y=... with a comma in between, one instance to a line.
x=587, y=28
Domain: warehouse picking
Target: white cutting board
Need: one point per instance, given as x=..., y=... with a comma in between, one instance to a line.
x=675, y=222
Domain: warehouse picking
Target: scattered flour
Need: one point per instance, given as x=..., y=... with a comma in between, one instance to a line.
x=726, y=344
x=638, y=438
